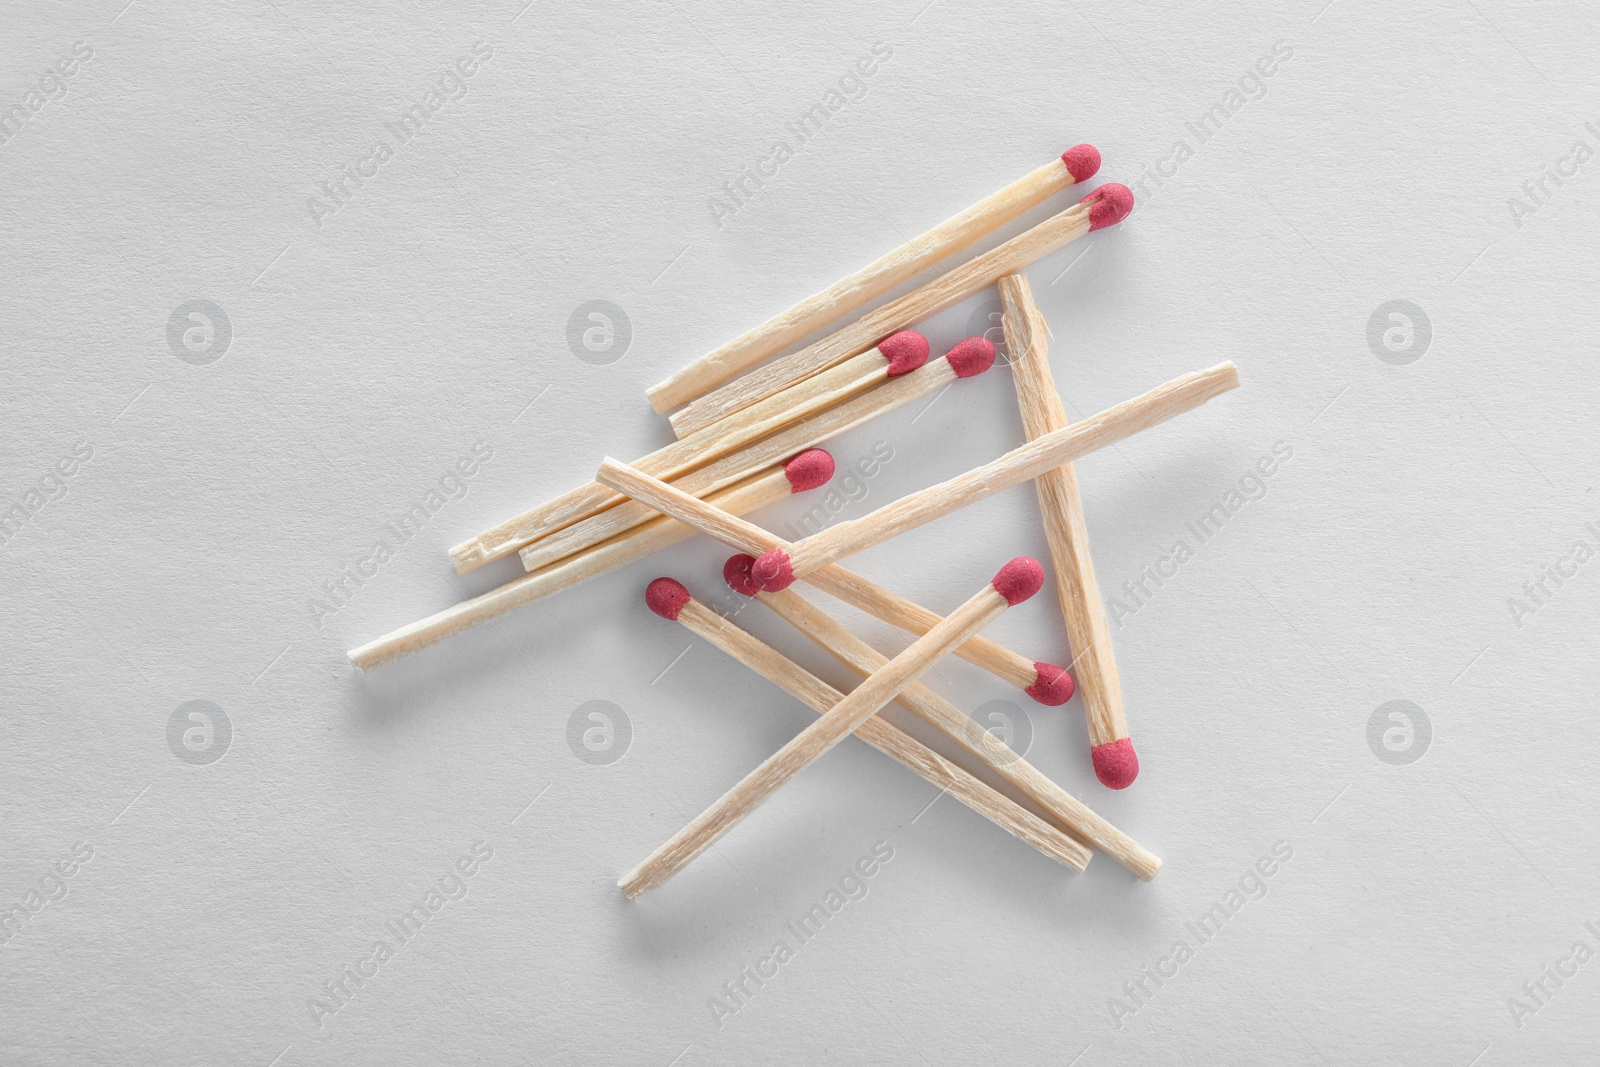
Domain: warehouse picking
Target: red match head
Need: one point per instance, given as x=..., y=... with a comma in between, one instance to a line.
x=772, y=571
x=666, y=597
x=905, y=351
x=1053, y=687
x=1112, y=202
x=809, y=469
x=1115, y=764
x=972, y=356
x=1083, y=161
x=1018, y=580
x=736, y=572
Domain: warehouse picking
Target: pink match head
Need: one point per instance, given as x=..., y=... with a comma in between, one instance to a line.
x=1112, y=202
x=905, y=351
x=736, y=572
x=1115, y=764
x=971, y=357
x=772, y=571
x=1019, y=579
x=1083, y=161
x=1053, y=687
x=666, y=597
x=809, y=469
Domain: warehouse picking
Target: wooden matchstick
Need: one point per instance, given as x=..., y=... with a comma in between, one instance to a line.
x=669, y=599
x=805, y=471
x=1094, y=664
x=1107, y=205
x=1044, y=682
x=898, y=355
x=776, y=569
x=1077, y=164
x=1014, y=583
x=971, y=357
x=933, y=709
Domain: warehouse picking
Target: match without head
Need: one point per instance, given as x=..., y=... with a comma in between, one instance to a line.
x=1115, y=764
x=666, y=597
x=1082, y=161
x=1111, y=204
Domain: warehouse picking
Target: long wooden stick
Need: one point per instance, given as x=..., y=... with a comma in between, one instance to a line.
x=776, y=569
x=933, y=709
x=877, y=690
x=1076, y=164
x=1045, y=682
x=1104, y=206
x=763, y=489
x=882, y=735
x=971, y=357
x=898, y=355
x=1094, y=663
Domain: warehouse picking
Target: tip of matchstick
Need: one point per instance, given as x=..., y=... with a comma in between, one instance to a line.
x=905, y=351
x=1112, y=202
x=736, y=572
x=1019, y=579
x=809, y=469
x=666, y=597
x=971, y=357
x=1116, y=764
x=772, y=571
x=1054, y=686
x=1083, y=161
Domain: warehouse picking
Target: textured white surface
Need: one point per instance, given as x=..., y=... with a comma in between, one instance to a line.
x=430, y=313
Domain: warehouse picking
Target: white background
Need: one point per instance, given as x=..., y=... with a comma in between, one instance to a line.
x=370, y=351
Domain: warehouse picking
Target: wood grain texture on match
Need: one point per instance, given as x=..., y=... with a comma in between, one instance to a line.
x=669, y=599
x=1015, y=582
x=1107, y=205
x=971, y=357
x=1044, y=682
x=805, y=471
x=897, y=355
x=1068, y=810
x=1094, y=665
x=776, y=569
x=1076, y=164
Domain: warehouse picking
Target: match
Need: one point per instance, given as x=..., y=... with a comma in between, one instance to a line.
x=669, y=599
x=1077, y=164
x=900, y=354
x=1107, y=205
x=1011, y=585
x=971, y=357
x=805, y=471
x=1044, y=682
x=1093, y=662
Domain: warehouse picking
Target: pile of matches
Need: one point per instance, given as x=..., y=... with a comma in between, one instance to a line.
x=748, y=427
